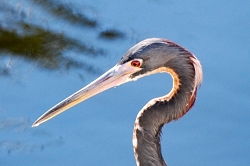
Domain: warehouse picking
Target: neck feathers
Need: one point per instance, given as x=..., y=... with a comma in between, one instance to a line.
x=159, y=111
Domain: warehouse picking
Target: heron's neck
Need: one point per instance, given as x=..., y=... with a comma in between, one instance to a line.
x=150, y=120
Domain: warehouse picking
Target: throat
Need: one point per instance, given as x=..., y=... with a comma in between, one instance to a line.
x=159, y=111
x=153, y=116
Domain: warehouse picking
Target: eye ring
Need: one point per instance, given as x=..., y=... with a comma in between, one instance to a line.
x=135, y=63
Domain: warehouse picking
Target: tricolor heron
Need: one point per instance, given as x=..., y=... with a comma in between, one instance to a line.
x=150, y=56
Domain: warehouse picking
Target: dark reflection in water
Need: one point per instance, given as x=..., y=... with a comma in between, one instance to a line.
x=67, y=13
x=111, y=34
x=4, y=70
x=44, y=46
x=35, y=42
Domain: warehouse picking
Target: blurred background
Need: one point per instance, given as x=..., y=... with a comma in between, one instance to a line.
x=49, y=49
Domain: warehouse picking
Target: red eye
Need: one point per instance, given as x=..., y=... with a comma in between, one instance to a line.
x=135, y=63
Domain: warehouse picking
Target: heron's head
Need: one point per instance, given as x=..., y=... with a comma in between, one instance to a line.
x=147, y=57
x=156, y=55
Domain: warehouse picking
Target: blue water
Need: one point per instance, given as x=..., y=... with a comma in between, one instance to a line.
x=99, y=131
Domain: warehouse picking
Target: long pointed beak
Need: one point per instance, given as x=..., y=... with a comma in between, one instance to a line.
x=117, y=75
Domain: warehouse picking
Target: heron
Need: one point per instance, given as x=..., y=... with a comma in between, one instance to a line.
x=150, y=56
